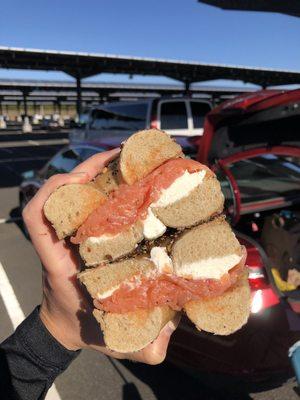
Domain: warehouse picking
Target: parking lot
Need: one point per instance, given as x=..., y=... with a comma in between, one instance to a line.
x=91, y=376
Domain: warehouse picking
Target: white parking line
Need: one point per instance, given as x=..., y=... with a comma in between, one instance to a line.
x=16, y=315
x=10, y=300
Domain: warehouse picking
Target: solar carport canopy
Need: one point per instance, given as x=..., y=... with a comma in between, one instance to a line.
x=290, y=7
x=83, y=65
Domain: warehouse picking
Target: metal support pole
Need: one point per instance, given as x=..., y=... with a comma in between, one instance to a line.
x=58, y=106
x=214, y=100
x=25, y=103
x=78, y=91
x=187, y=85
x=100, y=97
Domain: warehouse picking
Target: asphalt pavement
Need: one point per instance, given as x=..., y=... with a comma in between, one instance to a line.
x=22, y=152
x=91, y=376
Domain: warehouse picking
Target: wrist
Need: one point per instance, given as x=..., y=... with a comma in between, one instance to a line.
x=57, y=329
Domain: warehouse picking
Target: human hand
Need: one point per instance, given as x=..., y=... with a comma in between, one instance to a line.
x=66, y=309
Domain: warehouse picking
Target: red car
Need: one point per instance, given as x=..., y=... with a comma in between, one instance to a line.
x=253, y=144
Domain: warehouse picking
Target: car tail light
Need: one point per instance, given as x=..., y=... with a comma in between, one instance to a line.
x=262, y=293
x=257, y=278
x=257, y=302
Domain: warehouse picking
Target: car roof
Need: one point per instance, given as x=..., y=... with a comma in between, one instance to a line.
x=143, y=101
x=257, y=101
x=118, y=103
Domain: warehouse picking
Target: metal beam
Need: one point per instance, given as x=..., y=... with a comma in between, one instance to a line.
x=289, y=7
x=91, y=64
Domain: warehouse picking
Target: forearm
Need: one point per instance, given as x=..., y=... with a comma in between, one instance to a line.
x=30, y=360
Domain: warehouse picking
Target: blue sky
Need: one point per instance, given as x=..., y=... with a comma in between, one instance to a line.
x=176, y=29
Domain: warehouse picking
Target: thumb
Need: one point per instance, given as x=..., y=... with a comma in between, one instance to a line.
x=156, y=352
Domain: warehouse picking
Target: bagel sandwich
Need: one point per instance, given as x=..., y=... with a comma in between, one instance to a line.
x=154, y=243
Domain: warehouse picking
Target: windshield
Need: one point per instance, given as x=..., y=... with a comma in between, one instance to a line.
x=266, y=177
x=120, y=117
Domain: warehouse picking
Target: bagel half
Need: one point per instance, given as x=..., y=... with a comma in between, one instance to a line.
x=144, y=151
x=195, y=254
x=69, y=206
x=133, y=331
x=198, y=206
x=141, y=154
x=225, y=314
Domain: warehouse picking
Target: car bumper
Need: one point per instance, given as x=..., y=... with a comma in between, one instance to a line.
x=260, y=348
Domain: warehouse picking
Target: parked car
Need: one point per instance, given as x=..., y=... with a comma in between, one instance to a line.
x=62, y=162
x=50, y=123
x=182, y=116
x=253, y=144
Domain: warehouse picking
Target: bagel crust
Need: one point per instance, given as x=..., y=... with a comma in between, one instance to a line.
x=225, y=314
x=70, y=205
x=144, y=151
x=133, y=331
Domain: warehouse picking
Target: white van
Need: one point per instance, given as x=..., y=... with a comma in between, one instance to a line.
x=177, y=116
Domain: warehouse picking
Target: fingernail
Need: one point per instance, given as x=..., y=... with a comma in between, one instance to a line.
x=170, y=327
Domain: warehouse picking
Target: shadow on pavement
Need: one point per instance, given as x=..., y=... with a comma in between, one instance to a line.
x=17, y=157
x=16, y=218
x=168, y=382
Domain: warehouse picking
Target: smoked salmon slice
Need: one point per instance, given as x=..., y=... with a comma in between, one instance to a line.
x=166, y=289
x=129, y=203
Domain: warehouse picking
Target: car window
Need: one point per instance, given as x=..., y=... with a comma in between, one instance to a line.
x=120, y=117
x=267, y=176
x=63, y=162
x=199, y=110
x=173, y=115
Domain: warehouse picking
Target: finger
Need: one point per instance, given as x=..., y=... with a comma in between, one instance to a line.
x=95, y=164
x=156, y=352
